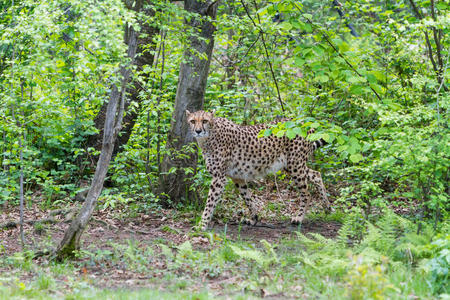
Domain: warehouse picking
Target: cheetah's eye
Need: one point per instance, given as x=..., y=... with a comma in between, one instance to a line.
x=192, y=121
x=205, y=121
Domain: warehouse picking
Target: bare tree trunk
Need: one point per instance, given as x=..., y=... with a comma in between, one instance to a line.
x=144, y=56
x=113, y=123
x=190, y=95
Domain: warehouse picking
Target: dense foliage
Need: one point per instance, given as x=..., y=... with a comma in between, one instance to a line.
x=370, y=76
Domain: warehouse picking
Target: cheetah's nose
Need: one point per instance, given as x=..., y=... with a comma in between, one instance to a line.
x=198, y=131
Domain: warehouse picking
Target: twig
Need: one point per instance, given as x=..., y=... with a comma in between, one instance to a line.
x=437, y=36
x=21, y=138
x=41, y=253
x=263, y=225
x=13, y=224
x=439, y=89
x=325, y=36
x=104, y=223
x=427, y=39
x=61, y=211
x=138, y=231
x=158, y=102
x=261, y=32
x=242, y=58
x=337, y=6
x=248, y=50
x=51, y=219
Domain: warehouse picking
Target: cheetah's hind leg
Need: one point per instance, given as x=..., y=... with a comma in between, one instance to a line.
x=304, y=203
x=253, y=203
x=316, y=179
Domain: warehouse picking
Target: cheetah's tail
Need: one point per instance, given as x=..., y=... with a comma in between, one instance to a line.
x=319, y=143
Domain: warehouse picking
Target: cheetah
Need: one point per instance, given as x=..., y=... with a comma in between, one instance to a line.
x=236, y=151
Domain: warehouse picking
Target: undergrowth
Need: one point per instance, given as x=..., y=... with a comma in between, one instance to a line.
x=384, y=258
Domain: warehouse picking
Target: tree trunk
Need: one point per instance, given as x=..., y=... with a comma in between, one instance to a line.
x=113, y=123
x=144, y=56
x=190, y=95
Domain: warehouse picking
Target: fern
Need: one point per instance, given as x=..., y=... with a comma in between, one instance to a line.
x=255, y=255
x=390, y=235
x=324, y=255
x=270, y=250
x=185, y=250
x=310, y=243
x=352, y=229
x=321, y=239
x=166, y=251
x=379, y=239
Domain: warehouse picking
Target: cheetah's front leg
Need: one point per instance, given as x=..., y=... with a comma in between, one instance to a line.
x=215, y=192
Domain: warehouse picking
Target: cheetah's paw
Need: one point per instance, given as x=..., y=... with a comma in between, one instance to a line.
x=296, y=220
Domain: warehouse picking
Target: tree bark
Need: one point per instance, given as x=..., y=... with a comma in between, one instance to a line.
x=144, y=56
x=113, y=123
x=190, y=95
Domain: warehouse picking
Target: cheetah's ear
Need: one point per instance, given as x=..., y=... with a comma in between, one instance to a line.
x=187, y=113
x=213, y=112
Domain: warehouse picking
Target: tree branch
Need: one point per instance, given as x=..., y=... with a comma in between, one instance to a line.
x=261, y=32
x=437, y=41
x=325, y=36
x=427, y=39
x=437, y=37
x=206, y=10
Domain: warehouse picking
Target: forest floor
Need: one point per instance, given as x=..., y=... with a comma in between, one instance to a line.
x=46, y=227
x=130, y=254
x=112, y=232
x=166, y=225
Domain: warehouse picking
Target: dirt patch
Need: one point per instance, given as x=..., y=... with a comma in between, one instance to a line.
x=273, y=232
x=105, y=227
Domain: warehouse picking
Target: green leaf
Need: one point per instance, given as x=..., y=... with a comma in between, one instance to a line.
x=319, y=50
x=289, y=124
x=267, y=132
x=290, y=133
x=262, y=11
x=60, y=63
x=299, y=61
x=442, y=5
x=340, y=140
x=322, y=78
x=354, y=146
x=308, y=27
x=356, y=157
x=344, y=47
x=357, y=90
x=280, y=133
x=355, y=79
x=314, y=136
x=297, y=24
x=328, y=138
x=286, y=26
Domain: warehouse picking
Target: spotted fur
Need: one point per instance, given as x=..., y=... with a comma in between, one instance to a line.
x=235, y=151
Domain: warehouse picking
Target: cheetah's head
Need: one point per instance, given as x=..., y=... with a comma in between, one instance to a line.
x=200, y=123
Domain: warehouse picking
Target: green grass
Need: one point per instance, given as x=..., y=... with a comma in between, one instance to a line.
x=97, y=294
